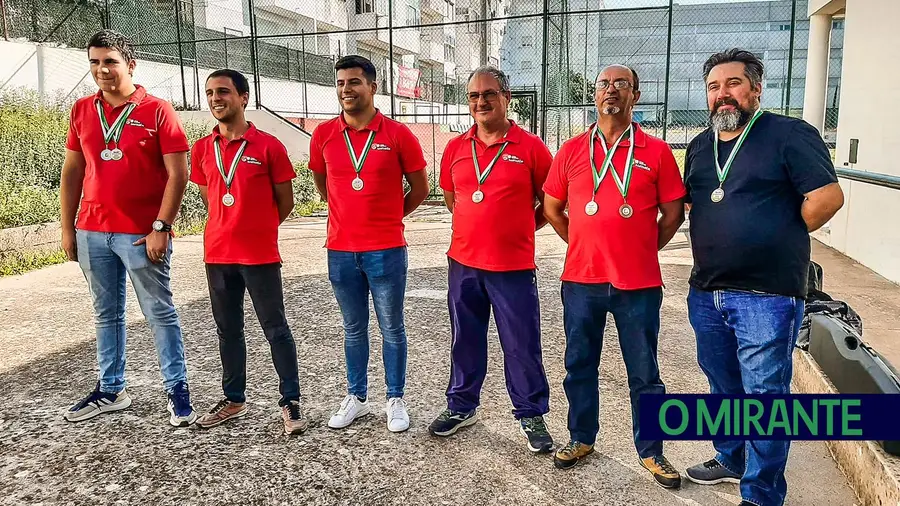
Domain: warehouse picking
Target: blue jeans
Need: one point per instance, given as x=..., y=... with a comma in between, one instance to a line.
x=105, y=259
x=745, y=342
x=353, y=276
x=636, y=312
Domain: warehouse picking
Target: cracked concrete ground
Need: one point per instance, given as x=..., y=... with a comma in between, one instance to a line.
x=135, y=457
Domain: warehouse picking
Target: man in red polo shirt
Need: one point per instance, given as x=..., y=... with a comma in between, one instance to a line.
x=244, y=175
x=492, y=177
x=616, y=180
x=126, y=152
x=359, y=160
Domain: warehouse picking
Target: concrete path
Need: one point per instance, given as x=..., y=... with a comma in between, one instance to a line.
x=135, y=458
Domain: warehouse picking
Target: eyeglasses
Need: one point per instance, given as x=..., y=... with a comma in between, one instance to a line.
x=619, y=84
x=489, y=96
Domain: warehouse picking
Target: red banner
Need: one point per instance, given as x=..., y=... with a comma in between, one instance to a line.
x=407, y=78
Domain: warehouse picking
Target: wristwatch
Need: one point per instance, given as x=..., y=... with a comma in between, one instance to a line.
x=161, y=226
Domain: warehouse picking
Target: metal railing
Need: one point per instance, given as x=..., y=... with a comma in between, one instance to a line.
x=874, y=178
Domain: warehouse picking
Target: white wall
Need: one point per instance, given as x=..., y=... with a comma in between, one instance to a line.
x=296, y=142
x=866, y=228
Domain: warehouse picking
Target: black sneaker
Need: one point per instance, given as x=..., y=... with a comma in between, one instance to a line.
x=96, y=403
x=535, y=430
x=711, y=472
x=448, y=422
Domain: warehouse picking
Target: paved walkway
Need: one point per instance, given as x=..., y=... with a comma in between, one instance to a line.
x=135, y=458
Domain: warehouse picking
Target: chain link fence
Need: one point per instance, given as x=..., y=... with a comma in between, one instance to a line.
x=424, y=51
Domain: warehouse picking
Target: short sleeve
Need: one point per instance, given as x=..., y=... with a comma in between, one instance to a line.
x=669, y=185
x=807, y=158
x=281, y=170
x=197, y=175
x=446, y=175
x=557, y=184
x=72, y=141
x=316, y=156
x=412, y=159
x=542, y=160
x=172, y=138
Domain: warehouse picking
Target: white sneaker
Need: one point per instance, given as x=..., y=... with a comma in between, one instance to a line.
x=397, y=416
x=351, y=409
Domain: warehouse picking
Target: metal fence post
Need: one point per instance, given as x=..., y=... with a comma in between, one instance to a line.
x=391, y=51
x=790, y=55
x=106, y=17
x=254, y=60
x=665, y=118
x=303, y=73
x=180, y=53
x=544, y=71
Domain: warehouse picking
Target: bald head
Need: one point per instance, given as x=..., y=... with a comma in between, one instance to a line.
x=616, y=90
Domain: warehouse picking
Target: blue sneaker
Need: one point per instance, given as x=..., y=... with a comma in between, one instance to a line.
x=96, y=403
x=180, y=406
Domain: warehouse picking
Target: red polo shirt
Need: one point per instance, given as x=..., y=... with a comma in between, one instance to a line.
x=247, y=232
x=124, y=196
x=496, y=234
x=370, y=219
x=606, y=248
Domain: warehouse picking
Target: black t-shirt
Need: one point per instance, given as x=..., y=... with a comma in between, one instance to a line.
x=755, y=239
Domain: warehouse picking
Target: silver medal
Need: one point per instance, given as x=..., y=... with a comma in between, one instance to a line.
x=116, y=154
x=717, y=195
x=357, y=184
x=626, y=211
x=228, y=200
x=478, y=196
x=106, y=155
x=591, y=208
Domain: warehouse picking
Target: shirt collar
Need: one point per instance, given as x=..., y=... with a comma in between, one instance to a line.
x=139, y=93
x=640, y=137
x=373, y=125
x=513, y=135
x=248, y=136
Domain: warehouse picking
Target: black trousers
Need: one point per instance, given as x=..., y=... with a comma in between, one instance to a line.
x=227, y=283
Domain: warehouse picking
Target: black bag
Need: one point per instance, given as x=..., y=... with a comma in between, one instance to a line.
x=819, y=302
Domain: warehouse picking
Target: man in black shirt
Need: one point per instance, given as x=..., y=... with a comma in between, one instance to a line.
x=757, y=184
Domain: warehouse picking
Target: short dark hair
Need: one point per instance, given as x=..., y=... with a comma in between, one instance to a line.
x=240, y=81
x=112, y=39
x=355, y=61
x=753, y=66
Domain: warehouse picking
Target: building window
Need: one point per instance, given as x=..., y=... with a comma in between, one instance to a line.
x=527, y=40
x=837, y=24
x=365, y=6
x=526, y=65
x=781, y=27
x=412, y=15
x=449, y=53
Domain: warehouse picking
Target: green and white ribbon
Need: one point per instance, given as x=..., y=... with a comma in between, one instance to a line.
x=358, y=162
x=114, y=132
x=220, y=163
x=482, y=176
x=621, y=184
x=722, y=172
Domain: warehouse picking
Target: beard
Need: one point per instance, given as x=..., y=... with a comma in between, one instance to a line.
x=729, y=121
x=611, y=110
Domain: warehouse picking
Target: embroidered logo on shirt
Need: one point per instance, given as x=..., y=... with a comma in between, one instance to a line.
x=512, y=158
x=641, y=165
x=134, y=122
x=250, y=159
x=380, y=147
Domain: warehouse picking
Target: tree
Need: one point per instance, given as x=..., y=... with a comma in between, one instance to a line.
x=579, y=91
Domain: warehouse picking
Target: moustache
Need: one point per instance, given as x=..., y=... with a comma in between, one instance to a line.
x=727, y=101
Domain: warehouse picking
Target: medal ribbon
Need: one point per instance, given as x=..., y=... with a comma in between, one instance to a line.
x=608, y=160
x=114, y=132
x=482, y=176
x=723, y=172
x=358, y=162
x=220, y=163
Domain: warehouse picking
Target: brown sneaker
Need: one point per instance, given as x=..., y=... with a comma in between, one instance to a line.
x=294, y=421
x=222, y=412
x=663, y=472
x=569, y=455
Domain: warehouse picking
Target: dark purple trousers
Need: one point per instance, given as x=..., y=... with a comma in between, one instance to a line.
x=513, y=296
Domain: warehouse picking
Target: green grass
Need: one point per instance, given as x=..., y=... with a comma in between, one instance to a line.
x=20, y=263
